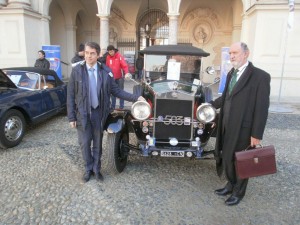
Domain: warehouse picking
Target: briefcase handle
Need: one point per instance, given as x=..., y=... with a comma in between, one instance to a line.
x=256, y=146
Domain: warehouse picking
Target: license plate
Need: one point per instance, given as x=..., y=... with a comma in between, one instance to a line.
x=172, y=153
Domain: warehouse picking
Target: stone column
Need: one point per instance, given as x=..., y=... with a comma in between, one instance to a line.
x=173, y=28
x=3, y=3
x=45, y=34
x=19, y=3
x=104, y=32
x=71, y=45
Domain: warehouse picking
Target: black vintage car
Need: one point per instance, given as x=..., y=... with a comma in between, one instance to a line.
x=176, y=120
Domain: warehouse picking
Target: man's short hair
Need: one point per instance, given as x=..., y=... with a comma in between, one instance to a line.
x=244, y=47
x=81, y=48
x=111, y=47
x=43, y=53
x=94, y=45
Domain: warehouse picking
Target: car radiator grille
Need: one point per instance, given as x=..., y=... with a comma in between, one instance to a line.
x=169, y=108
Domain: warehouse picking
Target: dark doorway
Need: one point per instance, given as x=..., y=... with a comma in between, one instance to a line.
x=153, y=29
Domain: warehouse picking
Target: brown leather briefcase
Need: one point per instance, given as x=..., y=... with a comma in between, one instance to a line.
x=255, y=162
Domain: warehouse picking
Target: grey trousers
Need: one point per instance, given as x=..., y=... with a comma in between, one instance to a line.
x=90, y=141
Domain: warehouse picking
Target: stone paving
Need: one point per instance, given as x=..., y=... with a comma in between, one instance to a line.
x=41, y=183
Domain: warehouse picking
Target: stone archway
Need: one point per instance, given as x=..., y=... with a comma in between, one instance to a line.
x=152, y=28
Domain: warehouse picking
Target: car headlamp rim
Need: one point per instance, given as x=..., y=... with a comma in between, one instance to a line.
x=141, y=104
x=208, y=118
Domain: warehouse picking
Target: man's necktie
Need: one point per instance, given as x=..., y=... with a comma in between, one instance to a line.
x=233, y=80
x=93, y=88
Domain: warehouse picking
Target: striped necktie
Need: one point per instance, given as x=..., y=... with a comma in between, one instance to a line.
x=93, y=88
x=233, y=80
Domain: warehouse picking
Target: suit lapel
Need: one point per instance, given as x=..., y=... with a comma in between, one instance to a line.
x=85, y=81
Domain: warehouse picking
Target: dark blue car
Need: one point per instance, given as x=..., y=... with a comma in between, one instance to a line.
x=28, y=95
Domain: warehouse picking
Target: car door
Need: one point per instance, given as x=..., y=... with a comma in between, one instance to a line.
x=52, y=94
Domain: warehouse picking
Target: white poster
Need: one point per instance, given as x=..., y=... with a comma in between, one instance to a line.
x=173, y=72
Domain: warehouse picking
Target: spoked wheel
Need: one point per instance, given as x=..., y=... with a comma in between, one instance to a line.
x=12, y=129
x=115, y=157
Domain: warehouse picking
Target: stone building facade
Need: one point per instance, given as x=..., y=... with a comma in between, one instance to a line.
x=130, y=25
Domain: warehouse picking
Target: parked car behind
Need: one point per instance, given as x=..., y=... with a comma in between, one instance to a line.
x=175, y=121
x=28, y=95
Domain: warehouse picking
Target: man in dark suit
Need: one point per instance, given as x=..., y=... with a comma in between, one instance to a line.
x=243, y=115
x=88, y=103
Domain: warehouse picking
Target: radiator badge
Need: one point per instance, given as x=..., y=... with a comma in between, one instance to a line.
x=176, y=120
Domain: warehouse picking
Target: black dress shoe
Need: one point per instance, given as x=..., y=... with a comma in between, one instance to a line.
x=99, y=176
x=233, y=200
x=223, y=191
x=87, y=176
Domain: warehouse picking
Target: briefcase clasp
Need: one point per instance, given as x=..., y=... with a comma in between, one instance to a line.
x=255, y=160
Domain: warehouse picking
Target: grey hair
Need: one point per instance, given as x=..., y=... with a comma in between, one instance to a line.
x=244, y=47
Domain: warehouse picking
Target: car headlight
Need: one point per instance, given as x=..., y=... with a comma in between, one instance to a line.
x=141, y=110
x=206, y=113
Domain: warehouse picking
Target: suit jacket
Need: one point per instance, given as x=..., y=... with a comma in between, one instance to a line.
x=248, y=113
x=78, y=103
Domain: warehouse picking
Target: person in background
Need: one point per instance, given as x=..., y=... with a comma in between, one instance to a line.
x=243, y=115
x=102, y=58
x=140, y=65
x=79, y=56
x=116, y=62
x=88, y=100
x=42, y=62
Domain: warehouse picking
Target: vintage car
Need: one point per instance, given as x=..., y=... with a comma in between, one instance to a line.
x=175, y=121
x=28, y=95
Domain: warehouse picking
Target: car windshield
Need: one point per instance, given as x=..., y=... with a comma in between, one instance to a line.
x=24, y=79
x=181, y=68
x=168, y=86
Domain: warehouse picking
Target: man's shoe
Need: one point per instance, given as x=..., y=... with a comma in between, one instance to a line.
x=99, y=176
x=223, y=191
x=233, y=200
x=87, y=176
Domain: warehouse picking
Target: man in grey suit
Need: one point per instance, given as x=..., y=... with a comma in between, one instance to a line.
x=243, y=115
x=88, y=101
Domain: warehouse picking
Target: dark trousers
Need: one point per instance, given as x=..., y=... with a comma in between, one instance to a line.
x=91, y=134
x=237, y=185
x=120, y=83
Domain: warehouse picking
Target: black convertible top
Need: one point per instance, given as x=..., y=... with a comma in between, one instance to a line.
x=174, y=50
x=38, y=70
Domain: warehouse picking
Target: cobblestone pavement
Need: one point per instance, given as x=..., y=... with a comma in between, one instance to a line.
x=41, y=183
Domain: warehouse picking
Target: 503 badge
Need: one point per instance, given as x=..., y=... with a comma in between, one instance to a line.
x=175, y=120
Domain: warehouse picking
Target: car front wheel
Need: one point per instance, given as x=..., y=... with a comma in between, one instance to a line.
x=12, y=129
x=116, y=152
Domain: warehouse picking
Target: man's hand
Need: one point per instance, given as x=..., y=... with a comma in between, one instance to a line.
x=254, y=141
x=141, y=98
x=73, y=124
x=128, y=76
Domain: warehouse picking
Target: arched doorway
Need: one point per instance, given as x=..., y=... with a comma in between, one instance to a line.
x=153, y=28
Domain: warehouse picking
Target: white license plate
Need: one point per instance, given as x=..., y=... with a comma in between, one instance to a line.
x=172, y=153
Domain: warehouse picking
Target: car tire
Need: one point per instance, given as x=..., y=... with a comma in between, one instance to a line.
x=12, y=128
x=116, y=154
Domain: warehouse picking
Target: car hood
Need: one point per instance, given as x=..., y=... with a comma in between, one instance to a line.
x=5, y=82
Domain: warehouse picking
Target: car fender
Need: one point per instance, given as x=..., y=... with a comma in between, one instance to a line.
x=115, y=126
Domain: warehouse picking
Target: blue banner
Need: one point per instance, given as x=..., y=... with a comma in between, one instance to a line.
x=53, y=55
x=225, y=68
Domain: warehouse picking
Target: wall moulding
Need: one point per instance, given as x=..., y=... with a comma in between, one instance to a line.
x=200, y=14
x=202, y=32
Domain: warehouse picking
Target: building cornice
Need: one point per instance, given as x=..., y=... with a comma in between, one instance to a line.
x=20, y=11
x=267, y=6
